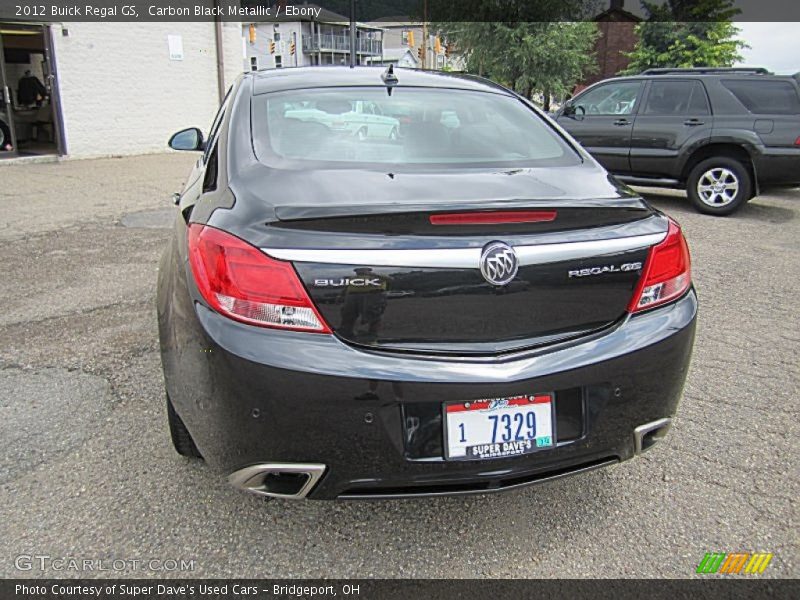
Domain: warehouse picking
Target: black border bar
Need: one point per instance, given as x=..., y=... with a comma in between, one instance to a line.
x=712, y=588
x=441, y=11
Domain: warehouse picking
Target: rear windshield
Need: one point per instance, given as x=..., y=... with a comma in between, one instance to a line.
x=362, y=126
x=765, y=97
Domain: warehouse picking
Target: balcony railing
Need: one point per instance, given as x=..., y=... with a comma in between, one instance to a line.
x=328, y=42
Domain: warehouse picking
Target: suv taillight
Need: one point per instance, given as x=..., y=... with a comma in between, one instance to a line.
x=667, y=272
x=241, y=282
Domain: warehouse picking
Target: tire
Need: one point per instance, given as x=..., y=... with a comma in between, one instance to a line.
x=361, y=134
x=181, y=438
x=393, y=134
x=5, y=136
x=719, y=186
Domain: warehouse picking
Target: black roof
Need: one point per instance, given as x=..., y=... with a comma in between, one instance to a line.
x=293, y=78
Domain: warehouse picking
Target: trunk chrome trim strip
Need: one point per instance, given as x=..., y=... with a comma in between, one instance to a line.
x=465, y=258
x=550, y=253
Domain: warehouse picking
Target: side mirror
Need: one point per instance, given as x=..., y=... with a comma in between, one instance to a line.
x=188, y=139
x=574, y=112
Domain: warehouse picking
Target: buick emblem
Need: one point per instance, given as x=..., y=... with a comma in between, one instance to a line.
x=498, y=263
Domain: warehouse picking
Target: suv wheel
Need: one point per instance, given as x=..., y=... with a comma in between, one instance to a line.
x=719, y=186
x=181, y=438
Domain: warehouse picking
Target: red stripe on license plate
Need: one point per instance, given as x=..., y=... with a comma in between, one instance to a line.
x=497, y=403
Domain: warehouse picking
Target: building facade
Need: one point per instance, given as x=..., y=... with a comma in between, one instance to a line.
x=113, y=88
x=306, y=41
x=617, y=38
x=403, y=47
x=325, y=40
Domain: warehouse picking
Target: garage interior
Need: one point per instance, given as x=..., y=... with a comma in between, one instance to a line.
x=29, y=119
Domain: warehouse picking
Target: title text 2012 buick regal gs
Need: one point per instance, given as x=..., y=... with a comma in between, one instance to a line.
x=399, y=283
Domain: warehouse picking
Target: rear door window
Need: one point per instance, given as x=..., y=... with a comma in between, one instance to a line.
x=678, y=98
x=698, y=103
x=765, y=97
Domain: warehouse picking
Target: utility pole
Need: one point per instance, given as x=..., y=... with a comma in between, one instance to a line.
x=424, y=34
x=353, y=33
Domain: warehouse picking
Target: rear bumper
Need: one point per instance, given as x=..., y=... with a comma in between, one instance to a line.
x=250, y=395
x=777, y=167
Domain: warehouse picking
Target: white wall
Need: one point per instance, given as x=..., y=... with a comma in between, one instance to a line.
x=120, y=92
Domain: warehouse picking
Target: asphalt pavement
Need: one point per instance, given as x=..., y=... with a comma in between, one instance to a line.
x=87, y=470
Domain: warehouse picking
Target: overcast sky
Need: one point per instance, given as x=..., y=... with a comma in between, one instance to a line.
x=775, y=46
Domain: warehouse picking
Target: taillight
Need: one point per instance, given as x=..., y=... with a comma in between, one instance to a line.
x=667, y=272
x=797, y=141
x=243, y=283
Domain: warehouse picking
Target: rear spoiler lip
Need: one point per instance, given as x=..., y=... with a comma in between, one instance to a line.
x=290, y=212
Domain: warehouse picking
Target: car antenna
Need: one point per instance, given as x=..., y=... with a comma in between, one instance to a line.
x=389, y=78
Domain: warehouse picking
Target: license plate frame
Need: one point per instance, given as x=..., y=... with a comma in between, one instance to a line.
x=502, y=405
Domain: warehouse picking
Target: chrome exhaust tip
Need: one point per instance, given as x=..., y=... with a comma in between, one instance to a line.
x=278, y=480
x=645, y=436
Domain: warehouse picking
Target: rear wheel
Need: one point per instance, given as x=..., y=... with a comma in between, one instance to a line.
x=719, y=186
x=5, y=136
x=181, y=438
x=361, y=134
x=393, y=134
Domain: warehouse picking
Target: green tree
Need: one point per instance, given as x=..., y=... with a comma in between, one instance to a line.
x=684, y=33
x=531, y=57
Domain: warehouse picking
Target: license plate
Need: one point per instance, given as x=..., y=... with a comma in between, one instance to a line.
x=499, y=427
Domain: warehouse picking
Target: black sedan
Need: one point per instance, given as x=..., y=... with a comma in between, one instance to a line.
x=358, y=306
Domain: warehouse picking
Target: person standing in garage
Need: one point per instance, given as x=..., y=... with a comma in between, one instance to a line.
x=30, y=90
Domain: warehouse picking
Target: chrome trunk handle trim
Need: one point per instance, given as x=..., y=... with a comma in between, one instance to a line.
x=465, y=258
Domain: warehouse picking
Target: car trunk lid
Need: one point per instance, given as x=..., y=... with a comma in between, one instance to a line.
x=418, y=280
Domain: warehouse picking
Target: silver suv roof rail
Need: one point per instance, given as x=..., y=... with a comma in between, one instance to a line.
x=708, y=71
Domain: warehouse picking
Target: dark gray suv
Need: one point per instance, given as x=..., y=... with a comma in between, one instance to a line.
x=724, y=135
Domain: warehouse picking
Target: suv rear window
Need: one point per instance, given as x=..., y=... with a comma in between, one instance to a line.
x=350, y=127
x=765, y=97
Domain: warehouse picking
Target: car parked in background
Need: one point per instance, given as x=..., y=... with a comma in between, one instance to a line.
x=724, y=135
x=359, y=118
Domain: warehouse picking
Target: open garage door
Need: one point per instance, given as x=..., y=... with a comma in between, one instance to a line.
x=30, y=115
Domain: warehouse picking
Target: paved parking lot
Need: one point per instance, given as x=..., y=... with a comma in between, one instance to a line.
x=87, y=470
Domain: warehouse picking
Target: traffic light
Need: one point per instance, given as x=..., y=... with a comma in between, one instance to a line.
x=252, y=34
x=419, y=52
x=291, y=48
x=410, y=39
x=437, y=45
x=447, y=50
x=272, y=47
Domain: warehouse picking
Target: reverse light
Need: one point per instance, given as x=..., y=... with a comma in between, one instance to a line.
x=241, y=282
x=667, y=272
